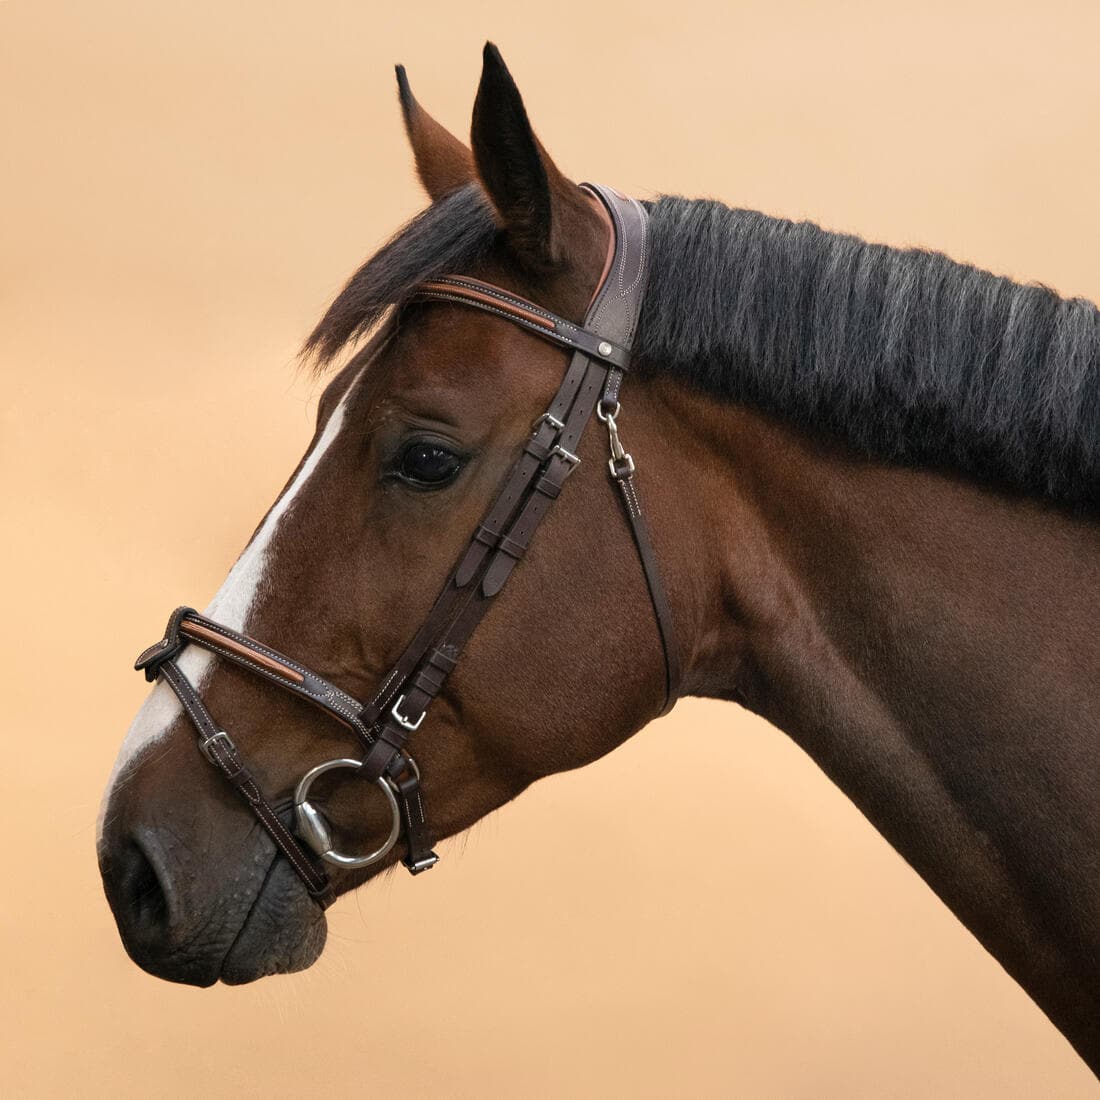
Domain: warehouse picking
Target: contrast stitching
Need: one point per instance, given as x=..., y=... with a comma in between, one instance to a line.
x=501, y=296
x=275, y=655
x=442, y=296
x=328, y=698
x=381, y=692
x=250, y=643
x=631, y=495
x=231, y=766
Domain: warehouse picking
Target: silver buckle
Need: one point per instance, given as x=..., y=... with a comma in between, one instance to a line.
x=208, y=751
x=547, y=418
x=401, y=720
x=430, y=860
x=561, y=452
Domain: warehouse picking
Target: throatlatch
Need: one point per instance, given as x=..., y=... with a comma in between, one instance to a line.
x=382, y=726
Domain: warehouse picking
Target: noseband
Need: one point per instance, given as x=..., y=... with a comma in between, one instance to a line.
x=601, y=356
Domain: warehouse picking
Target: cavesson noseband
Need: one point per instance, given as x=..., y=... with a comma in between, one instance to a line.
x=601, y=356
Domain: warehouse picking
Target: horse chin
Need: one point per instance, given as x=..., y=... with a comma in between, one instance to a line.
x=284, y=931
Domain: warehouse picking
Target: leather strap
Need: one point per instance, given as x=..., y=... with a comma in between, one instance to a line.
x=491, y=299
x=218, y=747
x=622, y=472
x=601, y=355
x=609, y=326
x=188, y=625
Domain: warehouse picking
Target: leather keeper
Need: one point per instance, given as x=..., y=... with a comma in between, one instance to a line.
x=548, y=487
x=441, y=659
x=429, y=680
x=537, y=450
x=381, y=753
x=474, y=556
x=486, y=536
x=513, y=549
x=231, y=766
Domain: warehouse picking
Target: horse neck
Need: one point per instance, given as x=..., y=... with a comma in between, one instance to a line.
x=932, y=646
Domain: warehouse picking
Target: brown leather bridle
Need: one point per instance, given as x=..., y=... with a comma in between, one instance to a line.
x=601, y=356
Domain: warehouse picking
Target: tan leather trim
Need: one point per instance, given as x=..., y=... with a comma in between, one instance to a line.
x=514, y=307
x=197, y=630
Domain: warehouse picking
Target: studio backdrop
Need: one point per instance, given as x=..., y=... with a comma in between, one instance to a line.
x=185, y=188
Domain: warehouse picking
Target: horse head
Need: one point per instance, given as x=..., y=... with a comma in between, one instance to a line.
x=416, y=434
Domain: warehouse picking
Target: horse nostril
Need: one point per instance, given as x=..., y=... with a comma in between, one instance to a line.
x=139, y=891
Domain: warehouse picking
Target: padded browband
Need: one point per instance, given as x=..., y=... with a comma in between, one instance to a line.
x=491, y=299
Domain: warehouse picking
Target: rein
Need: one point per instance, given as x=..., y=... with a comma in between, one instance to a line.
x=601, y=356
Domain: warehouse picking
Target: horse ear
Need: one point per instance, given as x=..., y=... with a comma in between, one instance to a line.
x=537, y=206
x=443, y=163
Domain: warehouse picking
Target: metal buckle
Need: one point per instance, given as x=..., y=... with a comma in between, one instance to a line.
x=561, y=452
x=547, y=418
x=423, y=864
x=206, y=744
x=401, y=720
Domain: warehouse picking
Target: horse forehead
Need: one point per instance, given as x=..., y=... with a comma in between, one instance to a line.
x=465, y=354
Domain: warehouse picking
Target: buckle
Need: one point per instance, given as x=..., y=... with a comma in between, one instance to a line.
x=561, y=452
x=425, y=863
x=208, y=751
x=401, y=720
x=547, y=418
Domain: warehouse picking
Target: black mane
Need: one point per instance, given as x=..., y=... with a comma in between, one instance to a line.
x=904, y=355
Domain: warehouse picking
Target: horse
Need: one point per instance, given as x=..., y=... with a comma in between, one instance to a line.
x=871, y=478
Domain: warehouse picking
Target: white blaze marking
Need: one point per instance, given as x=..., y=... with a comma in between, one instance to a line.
x=230, y=606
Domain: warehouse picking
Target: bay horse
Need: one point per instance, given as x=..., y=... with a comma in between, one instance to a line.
x=871, y=477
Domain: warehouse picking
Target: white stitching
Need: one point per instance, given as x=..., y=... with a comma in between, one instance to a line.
x=274, y=654
x=531, y=326
x=631, y=495
x=278, y=832
x=329, y=697
x=501, y=296
x=243, y=639
x=381, y=692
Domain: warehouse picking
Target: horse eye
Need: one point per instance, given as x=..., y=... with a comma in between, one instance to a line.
x=428, y=464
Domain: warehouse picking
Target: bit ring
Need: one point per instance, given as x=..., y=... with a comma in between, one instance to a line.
x=314, y=829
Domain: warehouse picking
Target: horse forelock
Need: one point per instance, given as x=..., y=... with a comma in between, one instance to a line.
x=451, y=235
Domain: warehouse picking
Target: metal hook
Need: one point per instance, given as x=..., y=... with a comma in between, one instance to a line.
x=620, y=463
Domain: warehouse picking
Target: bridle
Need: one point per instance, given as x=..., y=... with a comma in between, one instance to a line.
x=601, y=356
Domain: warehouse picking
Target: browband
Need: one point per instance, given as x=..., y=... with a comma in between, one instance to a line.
x=473, y=292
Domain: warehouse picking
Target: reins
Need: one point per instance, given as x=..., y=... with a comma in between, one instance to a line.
x=600, y=359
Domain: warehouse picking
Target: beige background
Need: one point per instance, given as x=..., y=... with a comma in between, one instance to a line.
x=184, y=187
